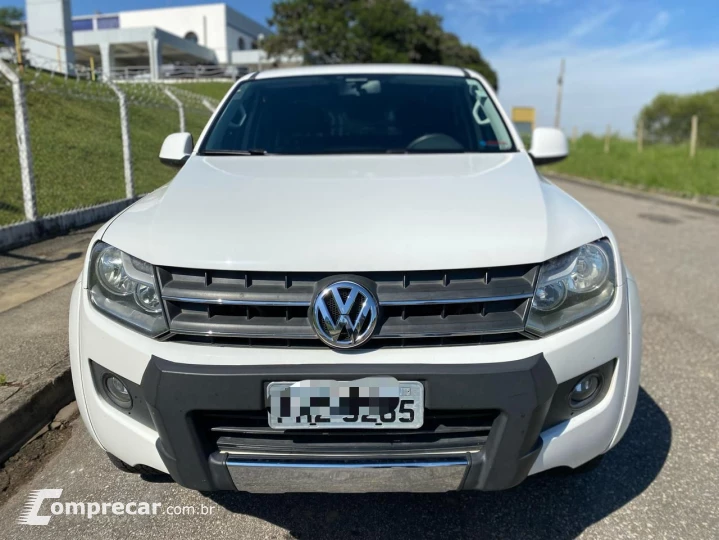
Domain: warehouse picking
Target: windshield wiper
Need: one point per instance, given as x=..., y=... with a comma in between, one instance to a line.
x=423, y=151
x=250, y=152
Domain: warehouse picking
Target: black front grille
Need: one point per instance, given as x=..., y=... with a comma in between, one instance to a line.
x=482, y=339
x=271, y=309
x=443, y=430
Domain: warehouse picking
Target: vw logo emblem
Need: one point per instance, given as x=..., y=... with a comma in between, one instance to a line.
x=344, y=314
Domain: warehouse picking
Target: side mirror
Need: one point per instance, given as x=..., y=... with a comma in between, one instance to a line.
x=176, y=149
x=549, y=145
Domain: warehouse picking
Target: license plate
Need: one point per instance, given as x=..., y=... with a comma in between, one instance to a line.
x=370, y=403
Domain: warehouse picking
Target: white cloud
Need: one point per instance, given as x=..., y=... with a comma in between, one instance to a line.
x=592, y=23
x=495, y=7
x=603, y=84
x=657, y=25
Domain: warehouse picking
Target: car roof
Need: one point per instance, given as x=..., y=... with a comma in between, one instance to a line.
x=362, y=69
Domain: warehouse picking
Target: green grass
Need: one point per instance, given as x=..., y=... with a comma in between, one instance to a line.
x=659, y=167
x=215, y=90
x=11, y=207
x=76, y=144
x=3, y=379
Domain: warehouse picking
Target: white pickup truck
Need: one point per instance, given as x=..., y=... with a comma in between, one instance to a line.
x=357, y=281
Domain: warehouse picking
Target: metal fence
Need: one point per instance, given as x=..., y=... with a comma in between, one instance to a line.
x=170, y=72
x=84, y=148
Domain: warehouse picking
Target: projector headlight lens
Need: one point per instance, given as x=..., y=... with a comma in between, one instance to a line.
x=147, y=298
x=123, y=287
x=549, y=296
x=572, y=287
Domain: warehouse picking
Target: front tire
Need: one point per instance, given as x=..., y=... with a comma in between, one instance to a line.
x=143, y=470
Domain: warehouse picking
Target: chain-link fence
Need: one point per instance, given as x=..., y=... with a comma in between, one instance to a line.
x=85, y=148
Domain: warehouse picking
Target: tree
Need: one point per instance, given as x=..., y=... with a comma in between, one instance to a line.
x=668, y=118
x=456, y=53
x=10, y=18
x=362, y=31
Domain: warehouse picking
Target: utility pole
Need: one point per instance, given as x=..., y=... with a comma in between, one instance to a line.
x=560, y=84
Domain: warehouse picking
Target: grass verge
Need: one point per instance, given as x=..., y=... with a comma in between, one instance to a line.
x=660, y=167
x=215, y=90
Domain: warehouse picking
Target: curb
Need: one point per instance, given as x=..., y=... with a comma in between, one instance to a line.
x=703, y=204
x=47, y=227
x=32, y=407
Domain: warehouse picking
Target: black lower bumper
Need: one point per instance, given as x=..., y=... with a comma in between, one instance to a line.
x=520, y=392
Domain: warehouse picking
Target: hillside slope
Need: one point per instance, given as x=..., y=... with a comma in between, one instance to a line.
x=76, y=143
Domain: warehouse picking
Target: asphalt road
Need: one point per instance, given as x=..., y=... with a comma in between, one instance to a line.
x=661, y=481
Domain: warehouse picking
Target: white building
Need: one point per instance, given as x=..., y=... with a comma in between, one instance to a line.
x=217, y=27
x=147, y=43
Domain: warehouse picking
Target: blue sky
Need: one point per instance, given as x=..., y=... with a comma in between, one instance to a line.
x=619, y=54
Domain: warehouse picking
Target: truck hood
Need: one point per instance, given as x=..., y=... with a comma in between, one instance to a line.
x=353, y=213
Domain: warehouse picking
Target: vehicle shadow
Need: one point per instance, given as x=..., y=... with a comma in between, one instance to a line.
x=34, y=261
x=555, y=504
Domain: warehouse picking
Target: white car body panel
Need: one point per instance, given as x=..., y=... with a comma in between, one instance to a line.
x=285, y=213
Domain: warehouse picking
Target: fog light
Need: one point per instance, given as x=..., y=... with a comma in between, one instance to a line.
x=585, y=390
x=117, y=391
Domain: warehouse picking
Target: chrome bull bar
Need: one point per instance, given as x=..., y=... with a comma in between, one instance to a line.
x=281, y=475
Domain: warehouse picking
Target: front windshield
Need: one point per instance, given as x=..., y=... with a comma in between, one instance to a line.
x=346, y=114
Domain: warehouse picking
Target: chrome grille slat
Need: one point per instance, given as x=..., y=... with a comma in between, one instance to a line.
x=458, y=300
x=259, y=327
x=238, y=302
x=442, y=307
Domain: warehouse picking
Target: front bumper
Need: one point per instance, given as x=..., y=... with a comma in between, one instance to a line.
x=177, y=394
x=518, y=380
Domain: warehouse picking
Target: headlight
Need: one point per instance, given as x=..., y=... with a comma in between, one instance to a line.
x=572, y=287
x=124, y=288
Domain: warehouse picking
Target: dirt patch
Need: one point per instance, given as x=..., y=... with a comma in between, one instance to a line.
x=23, y=466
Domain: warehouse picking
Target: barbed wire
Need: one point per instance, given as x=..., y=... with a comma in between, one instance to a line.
x=193, y=99
x=42, y=74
